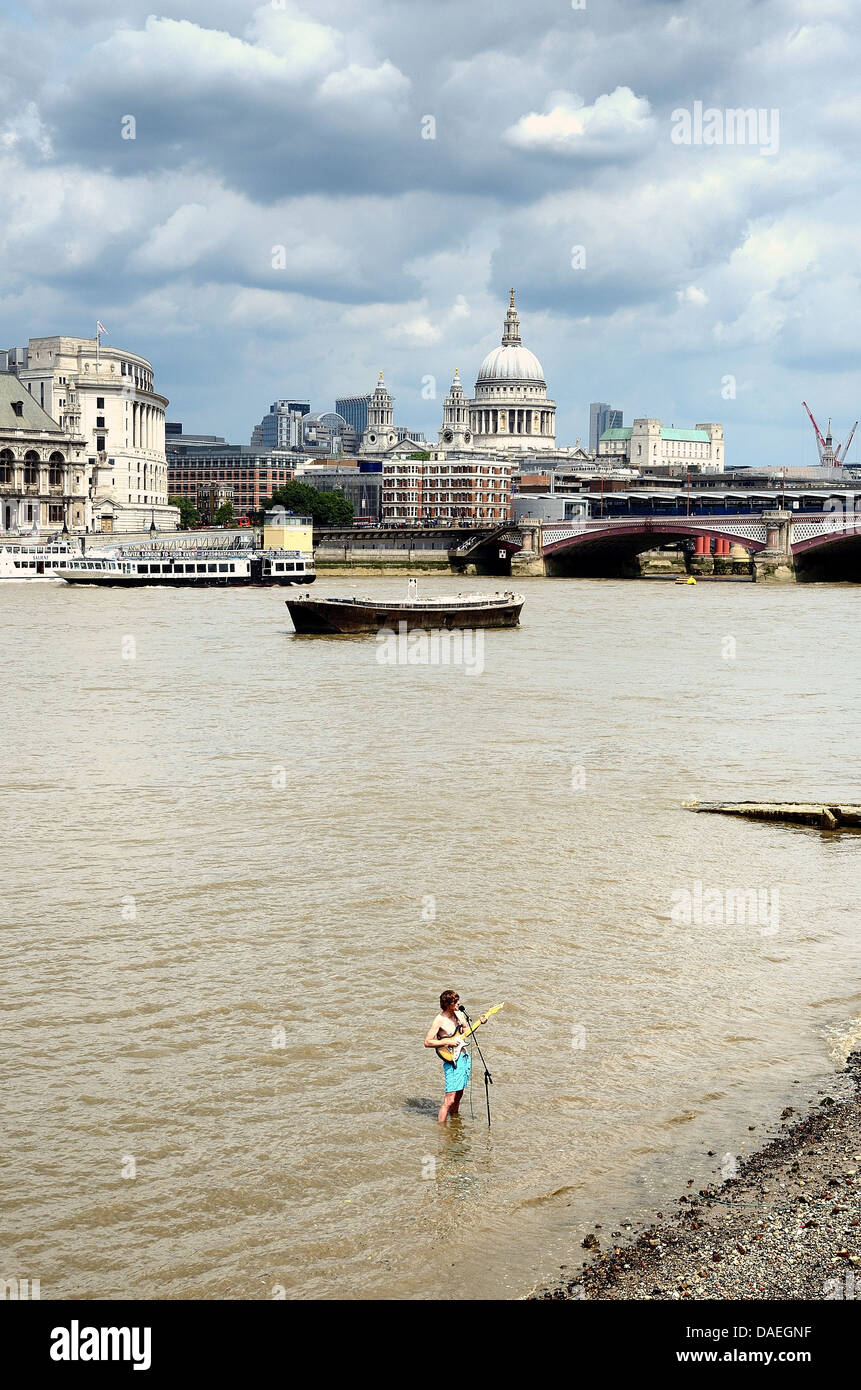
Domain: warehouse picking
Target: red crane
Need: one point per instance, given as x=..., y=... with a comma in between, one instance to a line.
x=830, y=455
x=820, y=442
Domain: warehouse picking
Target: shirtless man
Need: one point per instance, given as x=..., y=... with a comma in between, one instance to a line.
x=448, y=1023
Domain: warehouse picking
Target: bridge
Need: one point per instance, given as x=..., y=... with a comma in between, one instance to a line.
x=778, y=545
x=771, y=545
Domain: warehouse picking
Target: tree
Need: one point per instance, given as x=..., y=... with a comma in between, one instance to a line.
x=224, y=516
x=188, y=513
x=337, y=509
x=324, y=508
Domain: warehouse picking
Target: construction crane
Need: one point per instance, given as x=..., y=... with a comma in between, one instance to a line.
x=830, y=455
x=843, y=453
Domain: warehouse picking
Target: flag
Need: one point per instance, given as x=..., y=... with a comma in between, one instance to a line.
x=100, y=328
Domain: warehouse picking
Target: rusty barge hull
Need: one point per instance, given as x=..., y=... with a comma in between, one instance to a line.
x=345, y=616
x=830, y=815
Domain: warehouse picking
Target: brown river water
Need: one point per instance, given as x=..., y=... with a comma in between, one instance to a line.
x=239, y=866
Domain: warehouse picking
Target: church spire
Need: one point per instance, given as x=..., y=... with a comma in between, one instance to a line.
x=511, y=330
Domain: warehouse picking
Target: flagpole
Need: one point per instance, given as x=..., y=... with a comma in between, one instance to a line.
x=98, y=346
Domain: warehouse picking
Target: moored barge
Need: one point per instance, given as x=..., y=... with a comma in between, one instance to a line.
x=347, y=615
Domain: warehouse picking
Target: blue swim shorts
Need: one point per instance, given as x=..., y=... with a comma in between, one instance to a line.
x=456, y=1074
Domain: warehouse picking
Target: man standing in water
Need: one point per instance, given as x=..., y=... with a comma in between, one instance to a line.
x=449, y=1022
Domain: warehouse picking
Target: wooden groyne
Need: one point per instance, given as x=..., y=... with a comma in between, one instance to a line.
x=830, y=815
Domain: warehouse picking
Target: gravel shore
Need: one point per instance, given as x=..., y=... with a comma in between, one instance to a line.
x=787, y=1225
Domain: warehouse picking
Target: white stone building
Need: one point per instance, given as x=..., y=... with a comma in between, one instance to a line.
x=44, y=478
x=107, y=395
x=649, y=444
x=510, y=410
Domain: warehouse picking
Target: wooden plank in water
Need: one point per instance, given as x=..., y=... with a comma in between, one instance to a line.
x=828, y=815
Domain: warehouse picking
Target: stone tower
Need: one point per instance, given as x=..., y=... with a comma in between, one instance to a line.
x=380, y=432
x=455, y=434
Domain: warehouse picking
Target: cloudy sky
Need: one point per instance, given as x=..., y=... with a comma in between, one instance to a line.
x=414, y=160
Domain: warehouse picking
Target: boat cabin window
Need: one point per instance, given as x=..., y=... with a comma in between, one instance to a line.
x=232, y=569
x=289, y=566
x=143, y=569
x=213, y=569
x=201, y=569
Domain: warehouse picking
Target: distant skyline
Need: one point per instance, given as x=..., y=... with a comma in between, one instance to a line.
x=272, y=201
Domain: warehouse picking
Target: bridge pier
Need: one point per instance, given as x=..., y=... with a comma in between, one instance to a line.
x=775, y=564
x=741, y=559
x=530, y=559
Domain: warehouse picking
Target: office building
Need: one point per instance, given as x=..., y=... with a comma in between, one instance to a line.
x=252, y=473
x=354, y=409
x=281, y=426
x=602, y=417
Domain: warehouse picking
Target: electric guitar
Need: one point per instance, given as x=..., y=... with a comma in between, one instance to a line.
x=458, y=1040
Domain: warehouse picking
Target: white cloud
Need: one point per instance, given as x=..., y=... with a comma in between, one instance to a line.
x=618, y=122
x=692, y=295
x=185, y=238
x=354, y=84
x=169, y=50
x=305, y=44
x=26, y=128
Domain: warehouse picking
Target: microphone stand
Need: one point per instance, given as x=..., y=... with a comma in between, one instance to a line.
x=488, y=1079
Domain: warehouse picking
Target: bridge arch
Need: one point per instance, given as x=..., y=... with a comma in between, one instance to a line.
x=830, y=556
x=611, y=549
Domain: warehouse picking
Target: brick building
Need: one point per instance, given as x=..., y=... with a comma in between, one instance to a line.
x=251, y=473
x=469, y=487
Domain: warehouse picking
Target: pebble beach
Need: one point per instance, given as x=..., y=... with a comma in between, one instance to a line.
x=785, y=1226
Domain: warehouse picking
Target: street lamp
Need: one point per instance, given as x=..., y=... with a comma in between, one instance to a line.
x=152, y=525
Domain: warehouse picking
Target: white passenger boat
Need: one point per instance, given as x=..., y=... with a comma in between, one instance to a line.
x=19, y=561
x=192, y=568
